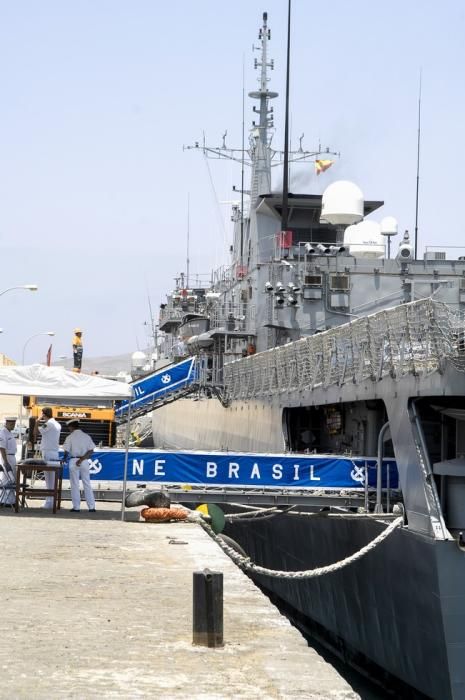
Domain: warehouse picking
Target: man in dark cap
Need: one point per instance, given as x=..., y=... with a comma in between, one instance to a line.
x=78, y=447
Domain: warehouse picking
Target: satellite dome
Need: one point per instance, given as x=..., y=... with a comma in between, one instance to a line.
x=342, y=204
x=365, y=240
x=389, y=226
x=138, y=359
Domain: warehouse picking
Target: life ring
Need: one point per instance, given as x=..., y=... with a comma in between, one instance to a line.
x=163, y=515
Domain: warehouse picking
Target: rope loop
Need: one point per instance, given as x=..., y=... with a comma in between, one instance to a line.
x=247, y=565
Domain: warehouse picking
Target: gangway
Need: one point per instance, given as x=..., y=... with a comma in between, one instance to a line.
x=250, y=497
x=158, y=388
x=275, y=479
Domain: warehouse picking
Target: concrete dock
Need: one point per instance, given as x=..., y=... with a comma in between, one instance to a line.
x=96, y=607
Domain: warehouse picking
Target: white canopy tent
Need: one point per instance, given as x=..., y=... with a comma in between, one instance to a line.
x=40, y=380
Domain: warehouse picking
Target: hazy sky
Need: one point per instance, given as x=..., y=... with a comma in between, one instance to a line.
x=98, y=97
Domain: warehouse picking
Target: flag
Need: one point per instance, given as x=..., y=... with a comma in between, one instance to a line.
x=49, y=356
x=322, y=165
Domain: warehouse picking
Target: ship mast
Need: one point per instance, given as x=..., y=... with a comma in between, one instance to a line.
x=285, y=208
x=261, y=159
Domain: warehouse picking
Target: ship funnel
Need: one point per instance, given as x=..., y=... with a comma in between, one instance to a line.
x=342, y=204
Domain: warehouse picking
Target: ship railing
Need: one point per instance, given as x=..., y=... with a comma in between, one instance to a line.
x=411, y=339
x=170, y=313
x=238, y=317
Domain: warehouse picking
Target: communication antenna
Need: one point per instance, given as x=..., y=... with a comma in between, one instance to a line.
x=284, y=211
x=418, y=170
x=188, y=231
x=242, y=161
x=152, y=324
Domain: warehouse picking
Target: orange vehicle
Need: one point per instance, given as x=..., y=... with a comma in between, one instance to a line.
x=96, y=416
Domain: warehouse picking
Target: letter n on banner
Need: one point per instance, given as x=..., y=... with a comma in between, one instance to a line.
x=138, y=467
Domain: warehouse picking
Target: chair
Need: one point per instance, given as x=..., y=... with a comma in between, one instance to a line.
x=7, y=487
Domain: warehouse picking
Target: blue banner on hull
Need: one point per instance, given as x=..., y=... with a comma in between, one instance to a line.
x=228, y=469
x=159, y=384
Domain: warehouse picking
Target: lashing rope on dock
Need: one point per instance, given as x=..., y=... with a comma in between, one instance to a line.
x=256, y=514
x=247, y=565
x=266, y=513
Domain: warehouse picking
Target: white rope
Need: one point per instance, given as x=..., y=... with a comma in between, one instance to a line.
x=247, y=565
x=255, y=514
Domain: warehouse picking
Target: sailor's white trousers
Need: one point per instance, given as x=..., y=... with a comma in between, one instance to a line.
x=83, y=472
x=49, y=456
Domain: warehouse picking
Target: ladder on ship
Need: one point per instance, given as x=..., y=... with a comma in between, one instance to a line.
x=163, y=386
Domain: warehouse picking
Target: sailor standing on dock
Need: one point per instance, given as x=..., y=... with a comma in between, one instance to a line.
x=78, y=447
x=8, y=453
x=50, y=429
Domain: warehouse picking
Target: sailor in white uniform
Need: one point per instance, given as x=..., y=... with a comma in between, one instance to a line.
x=50, y=429
x=8, y=452
x=79, y=446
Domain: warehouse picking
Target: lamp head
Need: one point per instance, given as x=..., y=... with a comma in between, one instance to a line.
x=31, y=287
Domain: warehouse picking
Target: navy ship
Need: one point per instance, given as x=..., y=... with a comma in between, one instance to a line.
x=318, y=339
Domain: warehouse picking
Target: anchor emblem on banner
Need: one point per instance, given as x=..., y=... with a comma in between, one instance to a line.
x=358, y=474
x=95, y=466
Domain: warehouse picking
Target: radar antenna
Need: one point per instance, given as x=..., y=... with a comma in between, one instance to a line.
x=259, y=155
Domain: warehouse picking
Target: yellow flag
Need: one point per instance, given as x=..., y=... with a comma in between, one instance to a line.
x=322, y=165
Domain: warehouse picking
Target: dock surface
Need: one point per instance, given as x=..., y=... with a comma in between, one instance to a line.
x=96, y=607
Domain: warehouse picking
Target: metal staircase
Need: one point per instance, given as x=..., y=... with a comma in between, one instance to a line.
x=159, y=388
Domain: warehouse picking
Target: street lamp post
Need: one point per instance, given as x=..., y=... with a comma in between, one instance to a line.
x=29, y=287
x=36, y=335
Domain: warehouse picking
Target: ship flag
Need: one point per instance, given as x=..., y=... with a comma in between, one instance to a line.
x=322, y=165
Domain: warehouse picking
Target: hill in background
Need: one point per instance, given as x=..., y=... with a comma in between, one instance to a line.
x=105, y=364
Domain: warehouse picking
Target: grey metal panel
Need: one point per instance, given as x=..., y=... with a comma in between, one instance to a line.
x=388, y=601
x=311, y=293
x=339, y=300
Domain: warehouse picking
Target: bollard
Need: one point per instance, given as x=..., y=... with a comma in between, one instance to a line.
x=207, y=618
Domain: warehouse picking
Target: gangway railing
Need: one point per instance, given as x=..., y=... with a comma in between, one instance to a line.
x=159, y=388
x=192, y=476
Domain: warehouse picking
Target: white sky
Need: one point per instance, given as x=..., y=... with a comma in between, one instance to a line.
x=97, y=98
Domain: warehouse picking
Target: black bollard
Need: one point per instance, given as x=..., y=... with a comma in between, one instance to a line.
x=207, y=618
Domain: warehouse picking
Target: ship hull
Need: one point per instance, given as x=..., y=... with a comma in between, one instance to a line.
x=206, y=424
x=397, y=609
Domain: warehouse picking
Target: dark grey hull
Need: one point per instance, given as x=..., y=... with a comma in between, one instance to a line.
x=401, y=607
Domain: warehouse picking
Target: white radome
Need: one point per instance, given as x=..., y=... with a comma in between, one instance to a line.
x=342, y=204
x=365, y=240
x=389, y=226
x=138, y=359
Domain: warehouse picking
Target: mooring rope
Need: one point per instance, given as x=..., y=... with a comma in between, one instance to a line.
x=247, y=565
